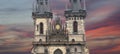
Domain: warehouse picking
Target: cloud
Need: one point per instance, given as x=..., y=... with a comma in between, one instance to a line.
x=17, y=38
x=104, y=45
x=13, y=37
x=101, y=12
x=100, y=15
x=103, y=31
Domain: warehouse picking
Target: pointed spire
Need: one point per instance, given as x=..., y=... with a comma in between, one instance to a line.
x=84, y=4
x=66, y=6
x=33, y=6
x=36, y=8
x=75, y=5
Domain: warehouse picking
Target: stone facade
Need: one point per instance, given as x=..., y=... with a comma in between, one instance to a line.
x=58, y=37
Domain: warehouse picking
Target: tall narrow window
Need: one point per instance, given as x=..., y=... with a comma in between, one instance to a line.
x=41, y=28
x=75, y=26
x=75, y=49
x=37, y=27
x=46, y=51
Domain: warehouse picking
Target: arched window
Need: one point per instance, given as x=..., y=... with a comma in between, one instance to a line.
x=40, y=40
x=73, y=40
x=58, y=51
x=41, y=28
x=75, y=26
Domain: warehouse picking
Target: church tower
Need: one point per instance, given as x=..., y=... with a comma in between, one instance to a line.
x=42, y=16
x=75, y=16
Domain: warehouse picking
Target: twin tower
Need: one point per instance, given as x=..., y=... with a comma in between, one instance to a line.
x=58, y=37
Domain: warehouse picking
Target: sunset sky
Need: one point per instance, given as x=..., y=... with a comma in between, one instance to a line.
x=102, y=25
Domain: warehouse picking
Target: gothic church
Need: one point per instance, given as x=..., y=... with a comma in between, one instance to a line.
x=59, y=38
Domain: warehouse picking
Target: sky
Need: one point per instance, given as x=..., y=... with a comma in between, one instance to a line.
x=102, y=25
x=15, y=11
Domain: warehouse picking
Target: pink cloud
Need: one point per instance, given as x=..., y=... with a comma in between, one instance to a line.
x=100, y=14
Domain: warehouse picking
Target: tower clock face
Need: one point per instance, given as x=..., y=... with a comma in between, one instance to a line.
x=57, y=27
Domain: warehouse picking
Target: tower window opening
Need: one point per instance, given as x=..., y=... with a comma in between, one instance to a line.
x=37, y=27
x=40, y=40
x=41, y=28
x=75, y=18
x=75, y=26
x=73, y=40
x=72, y=19
x=69, y=18
x=46, y=51
x=75, y=49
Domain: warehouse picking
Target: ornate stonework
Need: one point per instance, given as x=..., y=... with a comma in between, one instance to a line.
x=58, y=37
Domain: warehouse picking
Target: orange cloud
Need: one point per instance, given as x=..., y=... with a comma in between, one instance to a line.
x=104, y=31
